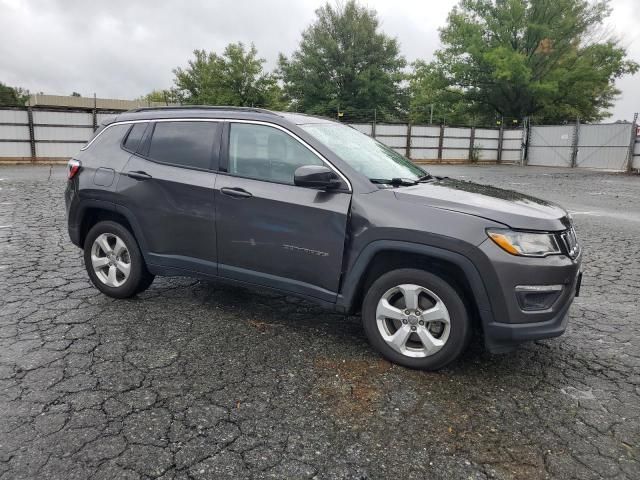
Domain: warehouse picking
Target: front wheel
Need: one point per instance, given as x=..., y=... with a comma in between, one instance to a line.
x=114, y=262
x=416, y=319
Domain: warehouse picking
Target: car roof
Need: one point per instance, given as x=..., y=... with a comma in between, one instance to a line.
x=205, y=111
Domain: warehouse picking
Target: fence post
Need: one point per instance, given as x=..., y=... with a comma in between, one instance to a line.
x=440, y=142
x=500, y=138
x=632, y=143
x=375, y=120
x=574, y=143
x=32, y=136
x=408, y=147
x=95, y=113
x=524, y=143
x=472, y=140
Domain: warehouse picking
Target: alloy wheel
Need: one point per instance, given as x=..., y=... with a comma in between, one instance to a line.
x=413, y=320
x=110, y=260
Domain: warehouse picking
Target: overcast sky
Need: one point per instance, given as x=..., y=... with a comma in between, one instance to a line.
x=125, y=48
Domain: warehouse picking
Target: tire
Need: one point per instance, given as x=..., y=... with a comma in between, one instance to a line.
x=114, y=262
x=413, y=296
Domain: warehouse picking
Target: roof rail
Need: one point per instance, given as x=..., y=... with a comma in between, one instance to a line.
x=202, y=107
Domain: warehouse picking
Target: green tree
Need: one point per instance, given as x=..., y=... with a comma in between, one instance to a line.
x=12, y=96
x=165, y=96
x=344, y=63
x=546, y=58
x=431, y=101
x=235, y=78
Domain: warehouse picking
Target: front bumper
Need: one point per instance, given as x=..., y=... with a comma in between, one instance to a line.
x=513, y=324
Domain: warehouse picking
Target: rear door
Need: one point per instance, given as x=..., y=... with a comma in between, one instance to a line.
x=168, y=183
x=270, y=231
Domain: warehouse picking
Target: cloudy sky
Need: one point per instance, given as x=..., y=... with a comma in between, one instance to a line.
x=125, y=48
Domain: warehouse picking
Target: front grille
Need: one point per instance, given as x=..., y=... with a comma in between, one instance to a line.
x=570, y=242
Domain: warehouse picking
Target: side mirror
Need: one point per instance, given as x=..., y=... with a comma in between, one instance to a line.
x=316, y=176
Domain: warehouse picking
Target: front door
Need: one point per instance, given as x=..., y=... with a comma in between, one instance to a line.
x=169, y=186
x=270, y=231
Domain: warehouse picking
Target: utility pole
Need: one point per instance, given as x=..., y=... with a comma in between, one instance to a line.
x=431, y=115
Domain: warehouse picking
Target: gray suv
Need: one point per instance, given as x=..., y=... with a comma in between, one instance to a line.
x=314, y=208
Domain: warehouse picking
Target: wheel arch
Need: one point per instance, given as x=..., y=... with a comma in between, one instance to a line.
x=93, y=211
x=382, y=256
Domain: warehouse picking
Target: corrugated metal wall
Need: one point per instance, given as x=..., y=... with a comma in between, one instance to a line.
x=600, y=146
x=550, y=146
x=59, y=134
x=604, y=146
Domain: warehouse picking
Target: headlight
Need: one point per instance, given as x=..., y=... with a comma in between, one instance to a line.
x=528, y=244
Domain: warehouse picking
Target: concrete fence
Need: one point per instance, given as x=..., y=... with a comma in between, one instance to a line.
x=41, y=134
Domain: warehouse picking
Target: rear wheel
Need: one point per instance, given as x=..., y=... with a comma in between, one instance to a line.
x=114, y=262
x=416, y=319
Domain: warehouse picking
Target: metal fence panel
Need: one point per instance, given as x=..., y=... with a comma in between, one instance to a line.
x=14, y=116
x=456, y=143
x=431, y=142
x=365, y=128
x=426, y=130
x=488, y=155
x=57, y=150
x=63, y=133
x=62, y=118
x=15, y=149
x=14, y=132
x=550, y=146
x=604, y=146
x=394, y=142
x=486, y=143
x=487, y=133
x=424, y=154
x=455, y=154
x=391, y=129
x=457, y=132
x=512, y=134
x=510, y=156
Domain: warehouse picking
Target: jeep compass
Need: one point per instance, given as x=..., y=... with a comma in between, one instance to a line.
x=314, y=208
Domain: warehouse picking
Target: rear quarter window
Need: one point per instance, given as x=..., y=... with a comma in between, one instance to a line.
x=133, y=138
x=105, y=149
x=185, y=144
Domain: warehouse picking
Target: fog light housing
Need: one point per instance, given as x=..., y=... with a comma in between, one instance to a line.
x=532, y=298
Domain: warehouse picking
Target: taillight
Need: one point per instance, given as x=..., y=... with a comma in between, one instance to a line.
x=73, y=167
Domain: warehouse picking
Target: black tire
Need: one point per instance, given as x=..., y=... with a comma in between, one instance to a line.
x=139, y=278
x=460, y=325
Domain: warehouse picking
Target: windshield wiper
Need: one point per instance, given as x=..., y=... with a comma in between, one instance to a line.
x=396, y=182
x=425, y=177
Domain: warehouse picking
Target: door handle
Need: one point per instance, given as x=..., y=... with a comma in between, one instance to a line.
x=139, y=175
x=236, y=192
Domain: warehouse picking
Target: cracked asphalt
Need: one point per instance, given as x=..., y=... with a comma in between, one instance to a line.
x=197, y=380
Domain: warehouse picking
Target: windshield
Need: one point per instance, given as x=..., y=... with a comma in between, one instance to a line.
x=363, y=153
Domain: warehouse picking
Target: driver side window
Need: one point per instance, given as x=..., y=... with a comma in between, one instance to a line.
x=266, y=153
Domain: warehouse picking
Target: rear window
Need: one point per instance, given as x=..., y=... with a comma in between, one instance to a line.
x=186, y=144
x=135, y=135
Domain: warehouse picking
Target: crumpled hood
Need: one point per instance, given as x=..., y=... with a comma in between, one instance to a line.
x=514, y=209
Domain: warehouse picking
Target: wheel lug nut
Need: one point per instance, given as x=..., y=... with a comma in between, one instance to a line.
x=413, y=329
x=404, y=321
x=407, y=312
x=421, y=322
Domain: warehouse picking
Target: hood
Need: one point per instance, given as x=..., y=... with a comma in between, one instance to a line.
x=513, y=209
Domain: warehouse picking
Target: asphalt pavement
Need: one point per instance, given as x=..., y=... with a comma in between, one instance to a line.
x=197, y=380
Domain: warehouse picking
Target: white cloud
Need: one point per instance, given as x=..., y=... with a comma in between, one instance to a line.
x=124, y=49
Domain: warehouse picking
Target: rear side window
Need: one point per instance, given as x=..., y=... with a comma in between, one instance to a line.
x=135, y=135
x=186, y=144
